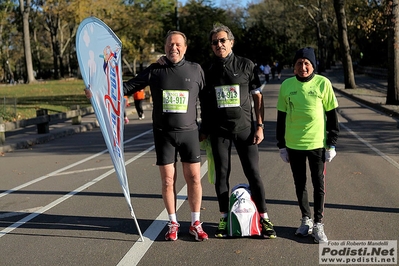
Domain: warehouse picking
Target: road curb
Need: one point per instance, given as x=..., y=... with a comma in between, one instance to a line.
x=376, y=106
x=30, y=141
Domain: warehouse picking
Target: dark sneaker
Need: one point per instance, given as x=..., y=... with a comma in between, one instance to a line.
x=222, y=228
x=306, y=227
x=267, y=228
x=196, y=230
x=173, y=231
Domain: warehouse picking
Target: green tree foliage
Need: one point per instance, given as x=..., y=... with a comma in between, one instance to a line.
x=196, y=20
x=368, y=29
x=142, y=29
x=272, y=31
x=265, y=31
x=279, y=27
x=9, y=37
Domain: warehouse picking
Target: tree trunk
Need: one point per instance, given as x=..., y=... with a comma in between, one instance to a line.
x=393, y=54
x=128, y=65
x=349, y=76
x=28, y=52
x=38, y=54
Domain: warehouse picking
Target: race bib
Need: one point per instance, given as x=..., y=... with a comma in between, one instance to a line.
x=175, y=101
x=228, y=96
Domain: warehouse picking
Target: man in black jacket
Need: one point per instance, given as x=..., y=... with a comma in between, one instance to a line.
x=226, y=111
x=174, y=87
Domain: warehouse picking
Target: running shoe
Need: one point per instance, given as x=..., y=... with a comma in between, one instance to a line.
x=196, y=230
x=222, y=228
x=318, y=233
x=172, y=232
x=267, y=228
x=306, y=227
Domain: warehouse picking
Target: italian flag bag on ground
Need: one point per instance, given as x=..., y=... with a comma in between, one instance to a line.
x=243, y=218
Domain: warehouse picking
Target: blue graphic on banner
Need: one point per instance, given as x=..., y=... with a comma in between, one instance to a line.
x=99, y=55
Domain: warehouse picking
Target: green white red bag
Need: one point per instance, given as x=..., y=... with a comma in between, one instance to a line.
x=243, y=217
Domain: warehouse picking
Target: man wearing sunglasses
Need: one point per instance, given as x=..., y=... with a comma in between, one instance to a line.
x=226, y=112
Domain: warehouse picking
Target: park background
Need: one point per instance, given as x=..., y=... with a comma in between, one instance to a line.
x=39, y=68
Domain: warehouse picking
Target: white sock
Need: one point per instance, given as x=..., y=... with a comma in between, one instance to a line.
x=195, y=216
x=173, y=217
x=264, y=215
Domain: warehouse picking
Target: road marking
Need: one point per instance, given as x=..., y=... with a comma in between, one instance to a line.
x=67, y=196
x=70, y=194
x=5, y=193
x=380, y=153
x=17, y=213
x=139, y=249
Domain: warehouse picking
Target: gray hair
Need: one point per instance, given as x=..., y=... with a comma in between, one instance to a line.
x=218, y=28
x=171, y=32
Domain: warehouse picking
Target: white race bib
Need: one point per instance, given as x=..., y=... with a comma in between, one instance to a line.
x=228, y=96
x=175, y=101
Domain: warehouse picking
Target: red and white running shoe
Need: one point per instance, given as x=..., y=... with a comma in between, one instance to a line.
x=173, y=231
x=196, y=230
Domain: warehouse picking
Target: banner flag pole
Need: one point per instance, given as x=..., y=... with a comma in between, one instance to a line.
x=99, y=53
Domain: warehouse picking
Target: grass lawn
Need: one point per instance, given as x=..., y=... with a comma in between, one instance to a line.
x=22, y=100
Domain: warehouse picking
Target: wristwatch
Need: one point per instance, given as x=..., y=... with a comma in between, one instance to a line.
x=261, y=125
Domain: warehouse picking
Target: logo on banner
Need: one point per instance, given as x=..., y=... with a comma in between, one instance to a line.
x=112, y=98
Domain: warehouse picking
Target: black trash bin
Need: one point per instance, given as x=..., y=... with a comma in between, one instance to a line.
x=43, y=128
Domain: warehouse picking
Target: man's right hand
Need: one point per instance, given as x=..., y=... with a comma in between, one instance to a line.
x=88, y=92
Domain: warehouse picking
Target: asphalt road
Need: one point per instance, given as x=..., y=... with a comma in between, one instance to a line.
x=61, y=202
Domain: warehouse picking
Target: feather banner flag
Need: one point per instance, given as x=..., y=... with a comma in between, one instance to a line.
x=99, y=54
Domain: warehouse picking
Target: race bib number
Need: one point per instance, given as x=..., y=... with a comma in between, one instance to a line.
x=228, y=96
x=175, y=101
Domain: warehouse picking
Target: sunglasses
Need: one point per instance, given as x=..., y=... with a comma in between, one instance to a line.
x=216, y=42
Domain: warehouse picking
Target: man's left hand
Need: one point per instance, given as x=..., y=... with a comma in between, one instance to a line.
x=162, y=60
x=258, y=137
x=330, y=154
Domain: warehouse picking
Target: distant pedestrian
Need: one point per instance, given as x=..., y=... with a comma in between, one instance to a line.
x=125, y=118
x=261, y=69
x=279, y=68
x=307, y=130
x=139, y=97
x=273, y=70
x=267, y=71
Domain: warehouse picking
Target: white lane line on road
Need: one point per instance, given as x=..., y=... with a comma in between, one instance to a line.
x=5, y=193
x=67, y=196
x=85, y=170
x=138, y=250
x=383, y=155
x=102, y=167
x=21, y=212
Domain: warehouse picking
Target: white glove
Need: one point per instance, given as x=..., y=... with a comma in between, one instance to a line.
x=284, y=155
x=330, y=154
